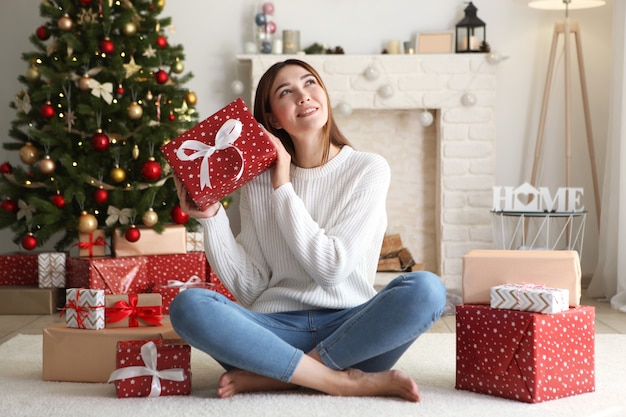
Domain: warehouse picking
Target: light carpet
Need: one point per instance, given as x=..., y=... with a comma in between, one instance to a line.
x=431, y=361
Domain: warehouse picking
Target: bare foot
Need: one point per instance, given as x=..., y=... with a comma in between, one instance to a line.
x=238, y=381
x=393, y=383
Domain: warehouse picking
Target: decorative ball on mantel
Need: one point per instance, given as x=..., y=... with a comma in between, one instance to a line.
x=371, y=73
x=426, y=118
x=468, y=99
x=237, y=87
x=386, y=91
x=344, y=108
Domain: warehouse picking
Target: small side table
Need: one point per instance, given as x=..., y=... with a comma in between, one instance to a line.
x=539, y=230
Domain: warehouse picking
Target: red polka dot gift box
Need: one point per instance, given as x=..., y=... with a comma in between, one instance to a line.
x=220, y=154
x=525, y=356
x=152, y=368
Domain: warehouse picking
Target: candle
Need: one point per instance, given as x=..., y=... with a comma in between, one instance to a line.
x=277, y=47
x=473, y=44
x=394, y=47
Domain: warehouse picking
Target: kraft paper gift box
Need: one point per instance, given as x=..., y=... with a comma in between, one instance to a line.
x=152, y=368
x=92, y=244
x=525, y=356
x=19, y=269
x=530, y=297
x=113, y=275
x=76, y=355
x=483, y=269
x=84, y=308
x=30, y=300
x=220, y=154
x=132, y=310
x=51, y=269
x=172, y=240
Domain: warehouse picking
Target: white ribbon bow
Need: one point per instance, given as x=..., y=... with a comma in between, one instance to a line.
x=105, y=91
x=194, y=281
x=25, y=210
x=226, y=136
x=149, y=357
x=115, y=215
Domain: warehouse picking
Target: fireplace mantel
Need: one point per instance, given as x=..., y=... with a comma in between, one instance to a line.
x=465, y=129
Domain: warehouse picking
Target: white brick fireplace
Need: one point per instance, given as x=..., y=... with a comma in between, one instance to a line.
x=442, y=175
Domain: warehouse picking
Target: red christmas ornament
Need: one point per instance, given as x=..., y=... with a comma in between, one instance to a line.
x=58, y=200
x=9, y=205
x=42, y=33
x=85, y=2
x=47, y=111
x=151, y=170
x=6, y=168
x=100, y=141
x=29, y=242
x=120, y=90
x=178, y=215
x=100, y=196
x=161, y=41
x=161, y=76
x=132, y=234
x=172, y=117
x=107, y=47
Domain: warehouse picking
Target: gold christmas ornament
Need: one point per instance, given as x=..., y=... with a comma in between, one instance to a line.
x=150, y=217
x=83, y=83
x=65, y=23
x=47, y=165
x=129, y=29
x=87, y=223
x=178, y=67
x=149, y=96
x=135, y=151
x=160, y=3
x=29, y=154
x=191, y=98
x=118, y=175
x=33, y=74
x=135, y=111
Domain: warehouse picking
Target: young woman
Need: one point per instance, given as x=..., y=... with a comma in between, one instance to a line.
x=302, y=267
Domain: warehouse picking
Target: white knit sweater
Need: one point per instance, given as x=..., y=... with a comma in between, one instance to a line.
x=312, y=243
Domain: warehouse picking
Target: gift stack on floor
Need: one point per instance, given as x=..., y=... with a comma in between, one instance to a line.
x=521, y=331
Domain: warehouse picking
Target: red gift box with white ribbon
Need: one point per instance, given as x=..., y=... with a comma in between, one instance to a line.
x=220, y=154
x=152, y=368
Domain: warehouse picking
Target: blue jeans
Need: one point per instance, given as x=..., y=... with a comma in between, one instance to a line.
x=370, y=337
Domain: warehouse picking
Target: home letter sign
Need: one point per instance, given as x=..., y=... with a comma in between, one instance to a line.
x=531, y=199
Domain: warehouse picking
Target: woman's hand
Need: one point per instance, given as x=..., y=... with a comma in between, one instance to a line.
x=188, y=206
x=280, y=170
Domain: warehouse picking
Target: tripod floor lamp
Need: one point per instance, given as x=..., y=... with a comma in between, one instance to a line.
x=567, y=27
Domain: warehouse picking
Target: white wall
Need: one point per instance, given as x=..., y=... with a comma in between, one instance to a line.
x=212, y=33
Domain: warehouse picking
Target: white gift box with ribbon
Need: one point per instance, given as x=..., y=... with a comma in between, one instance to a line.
x=530, y=297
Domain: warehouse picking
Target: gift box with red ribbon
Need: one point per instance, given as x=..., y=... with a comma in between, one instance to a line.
x=152, y=368
x=525, y=356
x=133, y=310
x=92, y=244
x=84, y=308
x=172, y=240
x=220, y=154
x=19, y=269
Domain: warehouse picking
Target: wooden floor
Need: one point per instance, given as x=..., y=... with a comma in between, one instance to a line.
x=608, y=320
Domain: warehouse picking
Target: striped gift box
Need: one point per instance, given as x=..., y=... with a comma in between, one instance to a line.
x=530, y=297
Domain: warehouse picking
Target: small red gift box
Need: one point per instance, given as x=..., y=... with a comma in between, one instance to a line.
x=19, y=269
x=152, y=368
x=220, y=154
x=174, y=287
x=525, y=356
x=113, y=275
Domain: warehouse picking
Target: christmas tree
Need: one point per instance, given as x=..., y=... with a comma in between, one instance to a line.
x=102, y=92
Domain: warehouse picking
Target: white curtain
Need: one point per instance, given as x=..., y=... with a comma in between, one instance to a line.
x=609, y=279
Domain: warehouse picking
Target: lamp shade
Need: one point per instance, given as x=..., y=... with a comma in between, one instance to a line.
x=565, y=4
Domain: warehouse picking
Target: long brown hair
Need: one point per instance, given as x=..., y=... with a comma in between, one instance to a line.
x=263, y=109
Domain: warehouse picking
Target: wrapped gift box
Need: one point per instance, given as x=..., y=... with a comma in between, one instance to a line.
x=113, y=275
x=84, y=308
x=525, y=297
x=483, y=269
x=172, y=240
x=51, y=269
x=195, y=242
x=152, y=368
x=19, y=269
x=174, y=287
x=220, y=154
x=163, y=268
x=76, y=355
x=133, y=310
x=92, y=244
x=26, y=300
x=525, y=356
